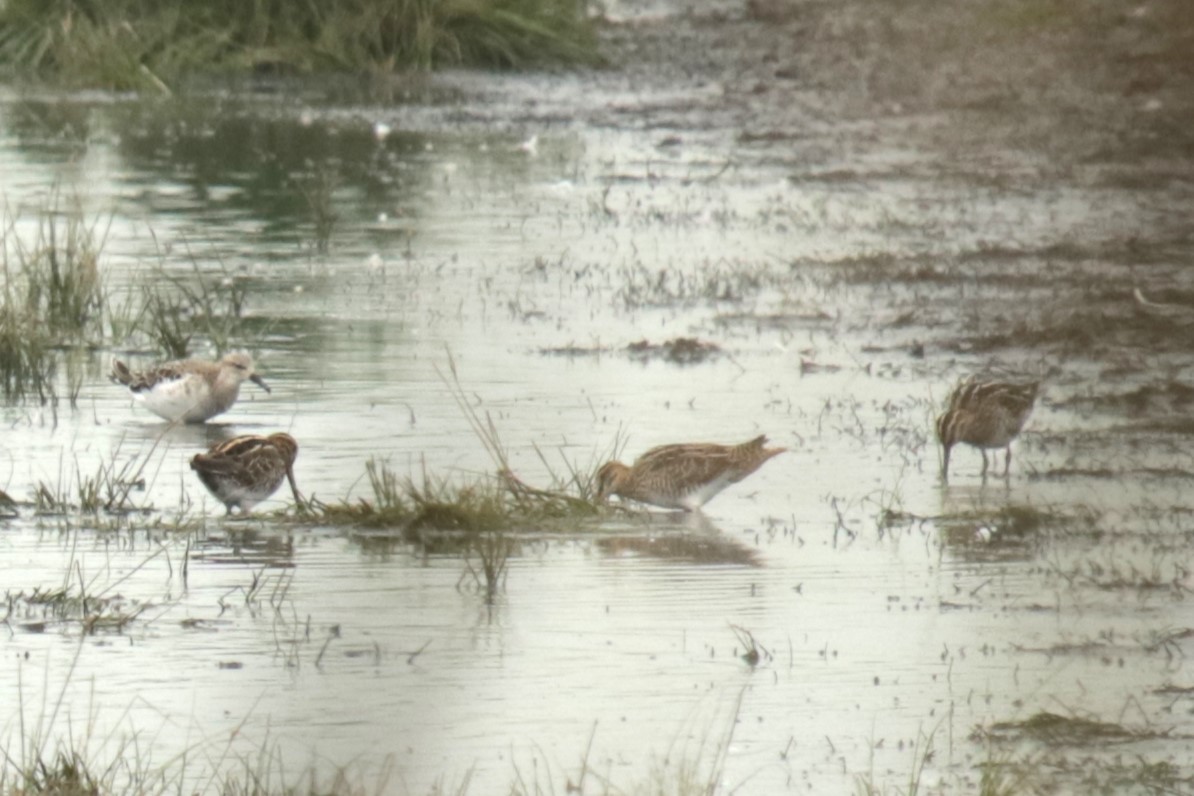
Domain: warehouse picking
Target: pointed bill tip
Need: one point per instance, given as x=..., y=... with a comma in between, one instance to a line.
x=260, y=382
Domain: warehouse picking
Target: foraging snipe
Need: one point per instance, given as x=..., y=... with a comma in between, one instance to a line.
x=245, y=470
x=189, y=390
x=986, y=414
x=683, y=476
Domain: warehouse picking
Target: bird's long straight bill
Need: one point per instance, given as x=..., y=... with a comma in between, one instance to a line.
x=298, y=498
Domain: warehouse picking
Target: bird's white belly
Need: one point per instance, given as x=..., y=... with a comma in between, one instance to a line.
x=695, y=498
x=176, y=400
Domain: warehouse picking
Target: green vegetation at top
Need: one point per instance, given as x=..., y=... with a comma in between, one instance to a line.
x=149, y=44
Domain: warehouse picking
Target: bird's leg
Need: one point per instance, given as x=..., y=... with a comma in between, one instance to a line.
x=983, y=451
x=1007, y=464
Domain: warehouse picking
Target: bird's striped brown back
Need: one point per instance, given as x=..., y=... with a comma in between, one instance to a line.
x=684, y=474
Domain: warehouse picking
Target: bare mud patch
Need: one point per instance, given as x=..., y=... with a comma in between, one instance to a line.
x=677, y=351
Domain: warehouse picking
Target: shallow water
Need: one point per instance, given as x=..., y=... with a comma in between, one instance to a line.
x=841, y=276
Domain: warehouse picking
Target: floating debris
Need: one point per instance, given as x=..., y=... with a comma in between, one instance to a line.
x=681, y=350
x=1054, y=729
x=1178, y=313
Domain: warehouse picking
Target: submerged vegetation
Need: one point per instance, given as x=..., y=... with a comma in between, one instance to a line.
x=149, y=44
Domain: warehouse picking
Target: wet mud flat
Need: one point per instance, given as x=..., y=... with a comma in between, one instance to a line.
x=1059, y=147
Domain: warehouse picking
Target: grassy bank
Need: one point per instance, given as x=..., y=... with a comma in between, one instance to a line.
x=151, y=44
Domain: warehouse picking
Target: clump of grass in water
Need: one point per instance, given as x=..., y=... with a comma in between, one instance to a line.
x=61, y=274
x=998, y=777
x=721, y=282
x=693, y=764
x=493, y=550
x=53, y=298
x=109, y=489
x=1052, y=729
x=65, y=773
x=166, y=315
x=318, y=190
x=441, y=506
x=435, y=505
x=1014, y=524
x=93, y=612
x=26, y=360
x=554, y=501
x=922, y=755
x=499, y=503
x=211, y=306
x=138, y=45
x=389, y=507
x=753, y=653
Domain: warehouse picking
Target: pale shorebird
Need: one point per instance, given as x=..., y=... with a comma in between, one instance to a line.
x=245, y=470
x=683, y=476
x=189, y=390
x=987, y=414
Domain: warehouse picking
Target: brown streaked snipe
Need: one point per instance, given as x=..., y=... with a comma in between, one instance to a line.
x=987, y=414
x=245, y=470
x=683, y=476
x=189, y=390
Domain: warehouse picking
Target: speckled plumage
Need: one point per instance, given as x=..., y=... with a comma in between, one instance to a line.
x=986, y=414
x=189, y=390
x=245, y=470
x=683, y=476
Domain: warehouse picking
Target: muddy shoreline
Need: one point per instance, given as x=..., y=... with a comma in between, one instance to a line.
x=995, y=98
x=1107, y=83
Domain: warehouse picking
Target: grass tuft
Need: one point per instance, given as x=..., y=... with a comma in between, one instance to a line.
x=922, y=756
x=66, y=774
x=108, y=489
x=53, y=297
x=433, y=505
x=206, y=305
x=493, y=503
x=318, y=191
x=493, y=551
